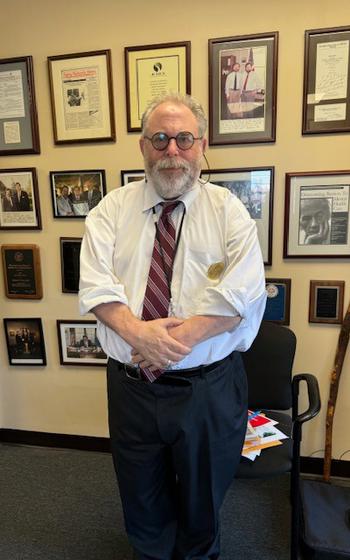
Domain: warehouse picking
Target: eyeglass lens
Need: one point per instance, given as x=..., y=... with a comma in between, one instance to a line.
x=184, y=140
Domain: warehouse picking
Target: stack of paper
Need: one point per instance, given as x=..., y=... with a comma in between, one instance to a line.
x=261, y=433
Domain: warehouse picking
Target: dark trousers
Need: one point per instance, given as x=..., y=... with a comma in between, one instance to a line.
x=176, y=444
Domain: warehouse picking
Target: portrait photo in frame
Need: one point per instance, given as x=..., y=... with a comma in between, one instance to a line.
x=19, y=130
x=75, y=193
x=150, y=71
x=22, y=271
x=316, y=219
x=326, y=302
x=79, y=345
x=131, y=175
x=70, y=263
x=19, y=199
x=243, y=89
x=254, y=187
x=326, y=98
x=25, y=342
x=278, y=300
x=82, y=97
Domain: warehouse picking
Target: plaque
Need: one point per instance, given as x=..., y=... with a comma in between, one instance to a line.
x=326, y=301
x=22, y=272
x=70, y=266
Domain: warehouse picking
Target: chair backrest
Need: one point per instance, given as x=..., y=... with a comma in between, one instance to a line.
x=268, y=364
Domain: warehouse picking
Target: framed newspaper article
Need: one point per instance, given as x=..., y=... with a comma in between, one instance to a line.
x=19, y=130
x=82, y=97
x=326, y=99
x=242, y=89
x=254, y=187
x=316, y=223
x=19, y=199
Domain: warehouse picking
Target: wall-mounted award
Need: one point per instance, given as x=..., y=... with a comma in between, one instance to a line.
x=22, y=272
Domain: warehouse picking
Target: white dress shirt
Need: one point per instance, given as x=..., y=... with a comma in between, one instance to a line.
x=116, y=254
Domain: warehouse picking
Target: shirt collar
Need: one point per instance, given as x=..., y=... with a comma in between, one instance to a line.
x=151, y=198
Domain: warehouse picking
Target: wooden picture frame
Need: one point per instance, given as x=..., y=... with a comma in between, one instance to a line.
x=78, y=344
x=82, y=97
x=19, y=199
x=25, y=341
x=326, y=303
x=326, y=96
x=70, y=264
x=131, y=175
x=19, y=129
x=254, y=186
x=22, y=271
x=75, y=193
x=278, y=300
x=316, y=217
x=151, y=70
x=243, y=89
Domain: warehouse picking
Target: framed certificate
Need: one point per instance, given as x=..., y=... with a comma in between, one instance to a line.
x=82, y=97
x=19, y=130
x=326, y=301
x=22, y=271
x=326, y=99
x=278, y=300
x=19, y=199
x=25, y=342
x=151, y=71
x=242, y=89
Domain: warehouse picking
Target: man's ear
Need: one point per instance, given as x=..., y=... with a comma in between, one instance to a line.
x=204, y=144
x=142, y=144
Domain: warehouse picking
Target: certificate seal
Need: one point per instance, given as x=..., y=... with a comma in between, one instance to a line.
x=271, y=290
x=215, y=270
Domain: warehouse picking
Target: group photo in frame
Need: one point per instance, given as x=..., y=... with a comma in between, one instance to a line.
x=278, y=300
x=22, y=271
x=79, y=345
x=326, y=301
x=19, y=199
x=19, y=130
x=316, y=220
x=75, y=193
x=254, y=187
x=152, y=70
x=326, y=98
x=70, y=263
x=131, y=175
x=82, y=97
x=243, y=89
x=25, y=342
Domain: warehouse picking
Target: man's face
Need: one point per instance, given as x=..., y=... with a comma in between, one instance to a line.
x=236, y=67
x=65, y=192
x=314, y=216
x=173, y=171
x=18, y=187
x=248, y=67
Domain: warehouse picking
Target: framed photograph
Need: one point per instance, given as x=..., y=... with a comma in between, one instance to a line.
x=326, y=99
x=79, y=345
x=254, y=187
x=75, y=193
x=20, y=208
x=70, y=263
x=25, y=342
x=243, y=89
x=326, y=301
x=278, y=300
x=128, y=176
x=22, y=271
x=152, y=70
x=316, y=223
x=82, y=97
x=19, y=130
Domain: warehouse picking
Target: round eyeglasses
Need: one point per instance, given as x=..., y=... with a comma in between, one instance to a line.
x=184, y=140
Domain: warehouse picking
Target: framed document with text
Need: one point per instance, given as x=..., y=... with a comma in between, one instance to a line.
x=153, y=70
x=82, y=97
x=19, y=131
x=242, y=89
x=326, y=99
x=22, y=271
x=326, y=301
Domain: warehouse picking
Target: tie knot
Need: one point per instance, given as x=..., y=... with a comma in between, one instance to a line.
x=168, y=207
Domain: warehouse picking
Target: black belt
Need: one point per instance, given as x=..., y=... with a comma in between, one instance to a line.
x=199, y=371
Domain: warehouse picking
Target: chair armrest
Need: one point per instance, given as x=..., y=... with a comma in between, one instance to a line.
x=313, y=394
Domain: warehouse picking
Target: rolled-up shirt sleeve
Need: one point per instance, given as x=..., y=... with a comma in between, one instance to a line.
x=98, y=281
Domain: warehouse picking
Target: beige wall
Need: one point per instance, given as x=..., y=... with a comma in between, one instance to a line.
x=72, y=400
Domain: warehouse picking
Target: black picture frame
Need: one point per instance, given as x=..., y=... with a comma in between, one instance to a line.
x=85, y=189
x=25, y=341
x=242, y=105
x=71, y=342
x=278, y=300
x=19, y=207
x=131, y=175
x=70, y=264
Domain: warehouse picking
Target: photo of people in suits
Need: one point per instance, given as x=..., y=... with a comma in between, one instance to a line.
x=75, y=193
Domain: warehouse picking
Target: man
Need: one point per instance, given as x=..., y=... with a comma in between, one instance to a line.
x=314, y=221
x=176, y=385
x=233, y=84
x=64, y=204
x=7, y=202
x=92, y=195
x=251, y=84
x=80, y=206
x=20, y=199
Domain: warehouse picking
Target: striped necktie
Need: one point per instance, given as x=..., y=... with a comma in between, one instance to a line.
x=157, y=296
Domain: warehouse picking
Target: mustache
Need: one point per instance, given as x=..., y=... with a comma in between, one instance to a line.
x=172, y=163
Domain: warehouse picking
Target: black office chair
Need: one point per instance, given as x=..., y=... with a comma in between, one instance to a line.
x=272, y=389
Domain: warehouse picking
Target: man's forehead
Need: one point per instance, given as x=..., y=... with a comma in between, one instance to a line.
x=169, y=111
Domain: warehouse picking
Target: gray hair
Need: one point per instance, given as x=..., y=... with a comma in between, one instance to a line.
x=179, y=99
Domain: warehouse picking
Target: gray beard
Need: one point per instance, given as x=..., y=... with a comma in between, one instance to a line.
x=172, y=187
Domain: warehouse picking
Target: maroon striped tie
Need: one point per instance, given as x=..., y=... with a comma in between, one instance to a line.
x=157, y=295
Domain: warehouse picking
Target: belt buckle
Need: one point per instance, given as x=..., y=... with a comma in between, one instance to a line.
x=136, y=370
